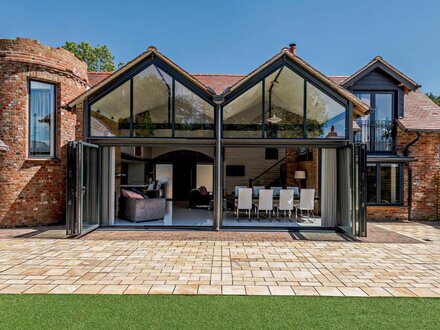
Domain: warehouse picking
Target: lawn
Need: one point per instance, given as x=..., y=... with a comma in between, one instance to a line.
x=215, y=312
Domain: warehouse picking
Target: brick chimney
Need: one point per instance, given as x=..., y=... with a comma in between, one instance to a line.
x=292, y=49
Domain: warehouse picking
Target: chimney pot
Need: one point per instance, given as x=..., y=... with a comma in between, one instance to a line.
x=292, y=49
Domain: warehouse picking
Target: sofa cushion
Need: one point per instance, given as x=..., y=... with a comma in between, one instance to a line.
x=131, y=194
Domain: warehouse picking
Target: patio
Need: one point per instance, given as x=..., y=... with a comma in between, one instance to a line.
x=262, y=264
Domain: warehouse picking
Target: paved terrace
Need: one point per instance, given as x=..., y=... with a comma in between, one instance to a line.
x=224, y=263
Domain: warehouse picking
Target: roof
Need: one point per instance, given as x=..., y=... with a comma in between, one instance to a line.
x=219, y=82
x=379, y=62
x=96, y=77
x=421, y=113
x=114, y=75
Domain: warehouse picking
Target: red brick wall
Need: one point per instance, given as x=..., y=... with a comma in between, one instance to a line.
x=425, y=189
x=32, y=192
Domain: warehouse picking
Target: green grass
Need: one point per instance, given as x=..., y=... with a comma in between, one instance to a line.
x=215, y=312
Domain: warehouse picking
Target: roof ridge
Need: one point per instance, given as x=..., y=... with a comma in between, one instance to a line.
x=219, y=74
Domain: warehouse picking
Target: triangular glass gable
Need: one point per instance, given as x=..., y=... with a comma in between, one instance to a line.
x=161, y=106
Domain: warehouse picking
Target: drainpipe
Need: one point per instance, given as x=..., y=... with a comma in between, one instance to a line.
x=218, y=166
x=406, y=152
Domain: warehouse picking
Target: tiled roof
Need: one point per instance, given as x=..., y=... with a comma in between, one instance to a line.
x=96, y=77
x=219, y=82
x=420, y=112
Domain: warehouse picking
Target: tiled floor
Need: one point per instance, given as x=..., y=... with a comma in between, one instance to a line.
x=275, y=264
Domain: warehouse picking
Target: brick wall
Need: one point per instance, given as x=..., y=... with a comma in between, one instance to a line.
x=425, y=187
x=32, y=192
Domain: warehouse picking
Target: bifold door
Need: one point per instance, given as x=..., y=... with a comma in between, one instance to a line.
x=82, y=210
x=351, y=215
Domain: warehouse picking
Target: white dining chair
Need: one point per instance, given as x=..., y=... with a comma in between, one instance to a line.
x=306, y=202
x=295, y=190
x=276, y=191
x=256, y=190
x=236, y=190
x=285, y=203
x=244, y=202
x=265, y=202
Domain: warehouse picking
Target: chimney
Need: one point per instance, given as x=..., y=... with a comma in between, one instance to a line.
x=292, y=49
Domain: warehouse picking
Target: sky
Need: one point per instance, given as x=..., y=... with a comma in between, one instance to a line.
x=337, y=37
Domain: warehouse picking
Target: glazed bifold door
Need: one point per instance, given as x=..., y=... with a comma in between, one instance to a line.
x=351, y=214
x=82, y=213
x=345, y=189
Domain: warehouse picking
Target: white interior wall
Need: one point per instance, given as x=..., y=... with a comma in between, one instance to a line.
x=255, y=162
x=205, y=176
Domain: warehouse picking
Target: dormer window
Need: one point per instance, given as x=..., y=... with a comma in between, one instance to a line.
x=377, y=129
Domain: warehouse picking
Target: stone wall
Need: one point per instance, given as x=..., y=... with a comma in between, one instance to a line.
x=32, y=191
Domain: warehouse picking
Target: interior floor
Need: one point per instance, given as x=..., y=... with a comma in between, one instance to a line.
x=178, y=214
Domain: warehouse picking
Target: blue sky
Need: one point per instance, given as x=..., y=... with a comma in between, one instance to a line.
x=337, y=37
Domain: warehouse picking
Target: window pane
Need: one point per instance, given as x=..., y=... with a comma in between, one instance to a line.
x=284, y=97
x=194, y=116
x=243, y=116
x=384, y=107
x=110, y=115
x=152, y=97
x=325, y=116
x=390, y=183
x=364, y=136
x=41, y=119
x=383, y=125
x=371, y=184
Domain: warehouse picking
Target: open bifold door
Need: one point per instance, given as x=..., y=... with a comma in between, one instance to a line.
x=82, y=209
x=351, y=210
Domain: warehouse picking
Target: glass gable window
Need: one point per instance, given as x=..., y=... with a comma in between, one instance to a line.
x=152, y=103
x=110, y=115
x=161, y=107
x=284, y=110
x=194, y=116
x=326, y=118
x=41, y=119
x=278, y=107
x=384, y=184
x=242, y=118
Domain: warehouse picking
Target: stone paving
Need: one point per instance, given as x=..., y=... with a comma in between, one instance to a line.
x=252, y=267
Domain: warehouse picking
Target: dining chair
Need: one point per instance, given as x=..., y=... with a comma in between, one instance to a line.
x=285, y=203
x=244, y=202
x=265, y=202
x=306, y=202
x=236, y=190
x=256, y=189
x=295, y=190
x=276, y=191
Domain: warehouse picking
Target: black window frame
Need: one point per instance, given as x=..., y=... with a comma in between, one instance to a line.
x=373, y=93
x=261, y=77
x=55, y=122
x=128, y=76
x=378, y=185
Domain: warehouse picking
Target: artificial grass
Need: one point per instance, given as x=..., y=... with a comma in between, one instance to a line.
x=215, y=312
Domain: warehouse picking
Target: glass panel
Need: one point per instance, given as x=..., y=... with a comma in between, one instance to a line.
x=41, y=119
x=284, y=97
x=90, y=184
x=242, y=117
x=325, y=117
x=363, y=135
x=152, y=96
x=345, y=188
x=384, y=122
x=371, y=183
x=110, y=115
x=389, y=184
x=194, y=116
x=384, y=107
